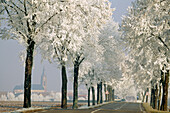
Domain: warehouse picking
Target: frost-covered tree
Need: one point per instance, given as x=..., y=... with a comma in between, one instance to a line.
x=92, y=56
x=109, y=63
x=98, y=12
x=65, y=30
x=110, y=39
x=3, y=98
x=146, y=31
x=22, y=20
x=86, y=77
x=73, y=30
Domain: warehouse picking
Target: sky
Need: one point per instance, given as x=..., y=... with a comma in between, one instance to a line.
x=12, y=68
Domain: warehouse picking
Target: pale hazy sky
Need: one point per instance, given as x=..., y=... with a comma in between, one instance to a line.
x=12, y=70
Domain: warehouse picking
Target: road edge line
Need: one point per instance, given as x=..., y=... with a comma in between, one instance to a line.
x=95, y=110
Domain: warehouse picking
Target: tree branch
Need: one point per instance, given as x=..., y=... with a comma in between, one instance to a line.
x=20, y=1
x=163, y=42
x=81, y=60
x=9, y=15
x=11, y=7
x=2, y=11
x=38, y=29
x=25, y=8
x=13, y=22
x=59, y=58
x=18, y=7
x=15, y=11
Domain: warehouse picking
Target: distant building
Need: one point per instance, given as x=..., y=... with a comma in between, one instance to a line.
x=35, y=88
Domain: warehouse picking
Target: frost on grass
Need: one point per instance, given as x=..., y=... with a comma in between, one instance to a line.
x=53, y=96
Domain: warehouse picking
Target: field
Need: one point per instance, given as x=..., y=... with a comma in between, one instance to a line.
x=7, y=106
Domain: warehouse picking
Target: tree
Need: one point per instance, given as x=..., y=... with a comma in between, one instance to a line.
x=110, y=39
x=72, y=27
x=145, y=31
x=112, y=55
x=102, y=12
x=86, y=76
x=93, y=94
x=24, y=21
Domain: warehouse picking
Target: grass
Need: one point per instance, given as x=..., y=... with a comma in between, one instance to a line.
x=34, y=110
x=149, y=109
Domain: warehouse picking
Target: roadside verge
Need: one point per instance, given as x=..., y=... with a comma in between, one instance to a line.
x=33, y=109
x=149, y=109
x=28, y=110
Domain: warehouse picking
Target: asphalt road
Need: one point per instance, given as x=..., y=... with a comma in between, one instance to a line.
x=115, y=107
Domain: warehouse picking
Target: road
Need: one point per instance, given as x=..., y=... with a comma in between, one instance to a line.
x=115, y=107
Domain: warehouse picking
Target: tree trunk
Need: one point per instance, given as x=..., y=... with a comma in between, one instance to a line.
x=105, y=92
x=101, y=96
x=160, y=90
x=110, y=93
x=89, y=96
x=93, y=93
x=77, y=63
x=64, y=88
x=98, y=88
x=165, y=92
x=152, y=97
x=144, y=96
x=28, y=72
x=156, y=97
x=147, y=91
x=113, y=98
x=109, y=88
x=75, y=86
x=159, y=99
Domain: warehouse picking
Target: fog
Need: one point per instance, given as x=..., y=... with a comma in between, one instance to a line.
x=12, y=69
x=53, y=96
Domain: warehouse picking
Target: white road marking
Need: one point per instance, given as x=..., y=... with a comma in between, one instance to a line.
x=121, y=106
x=95, y=110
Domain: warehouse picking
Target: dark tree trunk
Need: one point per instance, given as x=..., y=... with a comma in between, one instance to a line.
x=28, y=72
x=75, y=86
x=113, y=98
x=64, y=88
x=89, y=96
x=156, y=97
x=77, y=63
x=165, y=92
x=110, y=93
x=147, y=91
x=105, y=92
x=159, y=99
x=152, y=97
x=98, y=88
x=101, y=96
x=93, y=94
x=144, y=96
x=160, y=90
x=108, y=89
